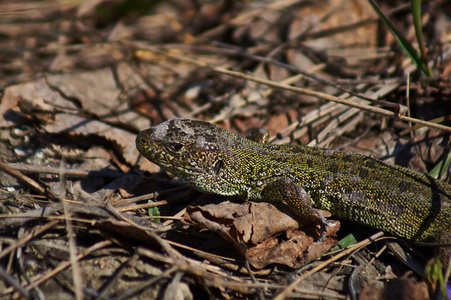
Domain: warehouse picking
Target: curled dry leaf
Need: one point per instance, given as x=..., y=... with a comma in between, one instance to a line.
x=78, y=105
x=269, y=235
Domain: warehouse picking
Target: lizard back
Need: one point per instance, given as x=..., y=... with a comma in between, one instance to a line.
x=358, y=188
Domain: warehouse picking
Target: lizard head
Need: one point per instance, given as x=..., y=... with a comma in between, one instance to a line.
x=191, y=150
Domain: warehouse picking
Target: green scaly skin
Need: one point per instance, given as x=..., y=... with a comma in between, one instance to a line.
x=354, y=187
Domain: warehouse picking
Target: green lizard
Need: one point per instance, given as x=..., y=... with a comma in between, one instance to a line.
x=358, y=188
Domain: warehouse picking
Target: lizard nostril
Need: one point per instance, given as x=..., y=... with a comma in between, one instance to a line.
x=140, y=138
x=143, y=139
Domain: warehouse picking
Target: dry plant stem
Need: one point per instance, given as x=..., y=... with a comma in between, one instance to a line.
x=36, y=231
x=236, y=51
x=46, y=212
x=221, y=281
x=11, y=281
x=314, y=118
x=378, y=253
x=130, y=263
x=142, y=206
x=61, y=267
x=132, y=200
x=303, y=91
x=154, y=196
x=286, y=293
x=67, y=264
x=315, y=78
x=72, y=172
x=29, y=182
x=224, y=262
x=322, y=141
x=260, y=292
x=404, y=257
x=330, y=112
x=10, y=263
x=170, y=292
x=185, y=264
x=164, y=245
x=146, y=284
x=76, y=274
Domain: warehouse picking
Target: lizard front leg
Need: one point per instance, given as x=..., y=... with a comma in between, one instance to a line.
x=287, y=195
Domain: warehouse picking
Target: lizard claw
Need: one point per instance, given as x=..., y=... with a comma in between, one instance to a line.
x=324, y=224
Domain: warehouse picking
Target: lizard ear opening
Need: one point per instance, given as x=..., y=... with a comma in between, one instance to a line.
x=218, y=166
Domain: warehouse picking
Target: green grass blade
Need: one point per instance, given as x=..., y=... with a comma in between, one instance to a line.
x=416, y=14
x=441, y=167
x=405, y=44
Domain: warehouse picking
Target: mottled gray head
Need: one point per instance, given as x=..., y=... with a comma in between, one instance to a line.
x=192, y=150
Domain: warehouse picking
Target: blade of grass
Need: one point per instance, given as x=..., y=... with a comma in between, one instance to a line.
x=405, y=44
x=441, y=168
x=416, y=14
x=434, y=274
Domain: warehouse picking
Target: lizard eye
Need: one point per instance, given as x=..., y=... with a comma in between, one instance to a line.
x=176, y=147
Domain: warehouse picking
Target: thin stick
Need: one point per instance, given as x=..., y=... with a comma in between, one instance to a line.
x=351, y=249
x=299, y=90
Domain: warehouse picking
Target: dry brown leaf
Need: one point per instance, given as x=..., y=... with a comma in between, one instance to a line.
x=79, y=105
x=257, y=225
x=296, y=252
